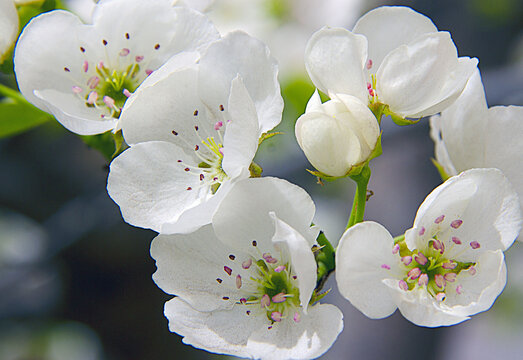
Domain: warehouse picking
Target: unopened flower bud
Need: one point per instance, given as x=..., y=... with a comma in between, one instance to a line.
x=338, y=134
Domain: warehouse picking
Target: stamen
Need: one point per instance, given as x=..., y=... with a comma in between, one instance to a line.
x=66, y=69
x=369, y=64
x=265, y=301
x=124, y=52
x=222, y=108
x=108, y=101
x=475, y=245
x=439, y=219
x=93, y=82
x=440, y=296
x=195, y=113
x=127, y=36
x=85, y=66
x=243, y=301
x=218, y=125
x=82, y=49
x=232, y=257
x=456, y=240
x=396, y=249
x=92, y=97
x=403, y=285
x=279, y=298
x=449, y=265
x=238, y=281
x=77, y=89
x=276, y=316
x=139, y=58
x=127, y=93
x=219, y=280
x=472, y=270
x=296, y=317
x=247, y=263
x=450, y=277
x=439, y=280
x=385, y=266
x=414, y=273
x=423, y=280
x=459, y=289
x=104, y=42
x=268, y=258
x=228, y=270
x=279, y=268
x=421, y=259
x=148, y=71
x=254, y=243
x=406, y=260
x=421, y=231
x=456, y=223
x=225, y=298
x=156, y=47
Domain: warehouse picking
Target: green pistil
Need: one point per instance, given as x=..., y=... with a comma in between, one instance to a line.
x=214, y=172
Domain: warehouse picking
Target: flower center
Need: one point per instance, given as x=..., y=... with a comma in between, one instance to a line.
x=432, y=268
x=266, y=287
x=105, y=84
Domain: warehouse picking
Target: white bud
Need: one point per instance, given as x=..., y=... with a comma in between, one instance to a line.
x=337, y=134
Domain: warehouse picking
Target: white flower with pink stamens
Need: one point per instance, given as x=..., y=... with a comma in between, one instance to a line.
x=244, y=284
x=469, y=134
x=8, y=26
x=84, y=73
x=456, y=245
x=393, y=56
x=194, y=131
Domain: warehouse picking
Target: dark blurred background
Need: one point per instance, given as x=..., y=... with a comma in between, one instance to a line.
x=75, y=280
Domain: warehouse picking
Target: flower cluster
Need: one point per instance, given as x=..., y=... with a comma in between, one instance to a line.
x=239, y=251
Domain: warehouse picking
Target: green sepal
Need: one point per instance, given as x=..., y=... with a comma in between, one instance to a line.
x=399, y=120
x=354, y=170
x=325, y=259
x=377, y=109
x=108, y=144
x=378, y=150
x=441, y=170
x=318, y=296
x=255, y=170
x=267, y=135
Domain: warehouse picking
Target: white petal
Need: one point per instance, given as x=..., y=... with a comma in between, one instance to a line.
x=314, y=103
x=362, y=251
x=38, y=62
x=150, y=117
x=301, y=258
x=478, y=292
x=241, y=134
x=503, y=148
x=235, y=333
x=243, y=215
x=422, y=309
x=440, y=146
x=8, y=26
x=335, y=59
x=486, y=203
x=363, y=120
x=388, y=27
x=239, y=53
x=150, y=186
x=189, y=266
x=423, y=77
x=198, y=5
x=462, y=127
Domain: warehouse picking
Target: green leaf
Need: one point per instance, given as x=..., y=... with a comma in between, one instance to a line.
x=18, y=117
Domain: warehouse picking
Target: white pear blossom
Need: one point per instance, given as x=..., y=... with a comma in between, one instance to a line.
x=203, y=124
x=244, y=283
x=84, y=73
x=338, y=134
x=8, y=27
x=451, y=264
x=470, y=135
x=394, y=56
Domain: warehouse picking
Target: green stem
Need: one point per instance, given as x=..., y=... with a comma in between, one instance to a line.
x=360, y=198
x=11, y=93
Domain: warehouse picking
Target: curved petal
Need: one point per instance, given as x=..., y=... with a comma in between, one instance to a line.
x=8, y=27
x=420, y=308
x=243, y=215
x=440, y=146
x=363, y=260
x=463, y=127
x=388, y=27
x=479, y=291
x=149, y=117
x=503, y=148
x=234, y=333
x=240, y=54
x=362, y=119
x=189, y=266
x=423, y=77
x=335, y=59
x=38, y=63
x=301, y=258
x=240, y=141
x=486, y=205
x=150, y=186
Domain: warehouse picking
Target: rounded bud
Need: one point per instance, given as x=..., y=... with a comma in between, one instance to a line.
x=338, y=134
